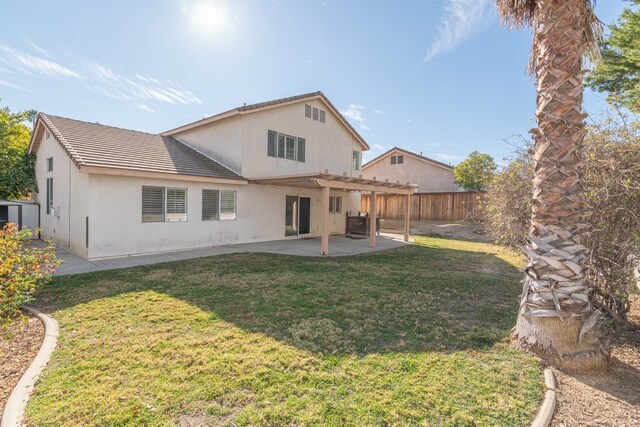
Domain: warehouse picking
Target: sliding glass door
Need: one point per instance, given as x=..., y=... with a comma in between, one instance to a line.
x=297, y=216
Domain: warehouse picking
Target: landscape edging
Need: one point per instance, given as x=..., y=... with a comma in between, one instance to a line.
x=545, y=414
x=17, y=402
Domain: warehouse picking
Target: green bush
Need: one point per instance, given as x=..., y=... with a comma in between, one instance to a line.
x=23, y=269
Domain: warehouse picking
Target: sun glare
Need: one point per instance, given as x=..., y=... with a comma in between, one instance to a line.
x=207, y=16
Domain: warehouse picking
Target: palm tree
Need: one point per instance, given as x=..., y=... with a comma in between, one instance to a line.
x=556, y=319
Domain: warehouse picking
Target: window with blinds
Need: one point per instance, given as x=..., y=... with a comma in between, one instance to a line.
x=335, y=204
x=315, y=113
x=176, y=204
x=301, y=144
x=152, y=204
x=210, y=205
x=285, y=146
x=290, y=152
x=227, y=204
x=272, y=147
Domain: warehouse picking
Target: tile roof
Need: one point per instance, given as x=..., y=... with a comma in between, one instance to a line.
x=275, y=102
x=96, y=145
x=409, y=153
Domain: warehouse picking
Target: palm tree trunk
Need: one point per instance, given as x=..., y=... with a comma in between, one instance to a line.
x=556, y=318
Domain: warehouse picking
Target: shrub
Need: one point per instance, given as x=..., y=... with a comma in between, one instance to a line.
x=506, y=207
x=611, y=181
x=23, y=269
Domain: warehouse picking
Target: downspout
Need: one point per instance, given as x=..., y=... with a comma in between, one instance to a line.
x=69, y=207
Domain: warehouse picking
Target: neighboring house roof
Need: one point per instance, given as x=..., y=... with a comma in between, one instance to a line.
x=94, y=147
x=246, y=109
x=408, y=153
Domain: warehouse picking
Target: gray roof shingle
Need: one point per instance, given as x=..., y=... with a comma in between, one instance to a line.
x=92, y=144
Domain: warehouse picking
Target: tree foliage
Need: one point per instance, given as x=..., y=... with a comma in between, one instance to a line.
x=17, y=179
x=475, y=172
x=23, y=269
x=611, y=183
x=618, y=73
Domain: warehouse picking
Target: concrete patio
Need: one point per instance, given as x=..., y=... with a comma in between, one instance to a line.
x=340, y=246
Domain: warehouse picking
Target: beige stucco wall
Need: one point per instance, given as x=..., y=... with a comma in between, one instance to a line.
x=240, y=142
x=116, y=227
x=70, y=197
x=429, y=177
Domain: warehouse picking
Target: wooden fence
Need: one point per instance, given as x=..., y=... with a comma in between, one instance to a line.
x=427, y=206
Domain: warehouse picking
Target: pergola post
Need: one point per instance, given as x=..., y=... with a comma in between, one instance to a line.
x=407, y=218
x=325, y=220
x=372, y=220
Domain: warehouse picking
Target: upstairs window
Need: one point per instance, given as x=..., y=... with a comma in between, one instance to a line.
x=50, y=164
x=315, y=113
x=285, y=146
x=397, y=160
x=357, y=160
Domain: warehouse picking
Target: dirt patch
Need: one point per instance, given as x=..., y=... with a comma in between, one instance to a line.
x=610, y=398
x=462, y=230
x=17, y=353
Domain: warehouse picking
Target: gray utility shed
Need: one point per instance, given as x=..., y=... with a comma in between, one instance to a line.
x=25, y=214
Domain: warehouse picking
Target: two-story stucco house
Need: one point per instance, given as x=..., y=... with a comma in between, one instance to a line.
x=282, y=169
x=398, y=164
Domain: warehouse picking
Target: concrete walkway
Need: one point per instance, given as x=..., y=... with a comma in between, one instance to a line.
x=338, y=246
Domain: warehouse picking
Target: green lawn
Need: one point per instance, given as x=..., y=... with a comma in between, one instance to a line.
x=412, y=336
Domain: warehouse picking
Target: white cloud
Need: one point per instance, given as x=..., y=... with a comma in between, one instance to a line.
x=447, y=158
x=364, y=127
x=378, y=111
x=354, y=112
x=461, y=20
x=34, y=65
x=96, y=77
x=145, y=107
x=6, y=83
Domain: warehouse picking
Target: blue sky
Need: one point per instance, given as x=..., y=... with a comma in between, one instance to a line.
x=440, y=77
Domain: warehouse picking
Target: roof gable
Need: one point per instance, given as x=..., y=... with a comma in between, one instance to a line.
x=253, y=108
x=402, y=151
x=95, y=146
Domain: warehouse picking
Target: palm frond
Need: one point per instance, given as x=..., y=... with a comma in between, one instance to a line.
x=517, y=13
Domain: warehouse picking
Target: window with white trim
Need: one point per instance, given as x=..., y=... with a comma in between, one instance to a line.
x=218, y=205
x=285, y=146
x=176, y=204
x=160, y=204
x=50, y=164
x=227, y=204
x=335, y=204
x=397, y=160
x=357, y=160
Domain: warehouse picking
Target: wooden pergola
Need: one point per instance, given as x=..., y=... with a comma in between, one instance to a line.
x=326, y=181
